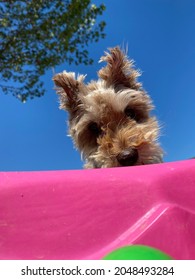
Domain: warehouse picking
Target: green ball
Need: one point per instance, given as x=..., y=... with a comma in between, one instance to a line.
x=137, y=252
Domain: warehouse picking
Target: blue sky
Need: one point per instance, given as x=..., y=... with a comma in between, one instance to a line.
x=161, y=39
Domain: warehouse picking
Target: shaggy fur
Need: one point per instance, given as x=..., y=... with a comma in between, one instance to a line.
x=109, y=119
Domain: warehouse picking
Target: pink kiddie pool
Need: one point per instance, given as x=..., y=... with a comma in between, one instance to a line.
x=86, y=214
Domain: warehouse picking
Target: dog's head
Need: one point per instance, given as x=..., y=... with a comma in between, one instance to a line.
x=109, y=119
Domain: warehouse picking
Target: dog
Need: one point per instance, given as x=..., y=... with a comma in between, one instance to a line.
x=109, y=119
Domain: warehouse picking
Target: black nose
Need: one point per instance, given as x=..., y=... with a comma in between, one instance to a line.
x=128, y=157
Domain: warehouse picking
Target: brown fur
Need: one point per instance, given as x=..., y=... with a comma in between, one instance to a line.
x=109, y=119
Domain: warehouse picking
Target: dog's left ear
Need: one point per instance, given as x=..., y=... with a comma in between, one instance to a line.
x=119, y=70
x=69, y=88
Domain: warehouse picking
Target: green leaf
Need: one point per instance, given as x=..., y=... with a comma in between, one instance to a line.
x=38, y=35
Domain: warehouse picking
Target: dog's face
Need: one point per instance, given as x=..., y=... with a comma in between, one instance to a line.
x=109, y=120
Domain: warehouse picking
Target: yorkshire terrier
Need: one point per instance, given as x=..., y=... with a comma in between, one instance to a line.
x=109, y=119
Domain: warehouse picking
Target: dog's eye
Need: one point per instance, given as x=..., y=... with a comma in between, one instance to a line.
x=129, y=112
x=94, y=128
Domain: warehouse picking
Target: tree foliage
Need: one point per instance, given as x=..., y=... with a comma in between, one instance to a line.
x=39, y=34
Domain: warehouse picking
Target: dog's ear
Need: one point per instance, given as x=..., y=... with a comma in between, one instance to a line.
x=69, y=88
x=119, y=70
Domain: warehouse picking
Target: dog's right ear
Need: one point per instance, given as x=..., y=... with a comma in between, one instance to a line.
x=119, y=70
x=69, y=88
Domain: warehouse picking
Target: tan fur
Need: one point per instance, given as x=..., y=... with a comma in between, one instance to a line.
x=110, y=118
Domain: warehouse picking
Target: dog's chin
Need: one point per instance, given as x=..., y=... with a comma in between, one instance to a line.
x=93, y=164
x=110, y=164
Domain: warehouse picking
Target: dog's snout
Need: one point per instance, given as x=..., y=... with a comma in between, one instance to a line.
x=128, y=157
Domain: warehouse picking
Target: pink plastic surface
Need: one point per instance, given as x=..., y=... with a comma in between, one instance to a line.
x=85, y=214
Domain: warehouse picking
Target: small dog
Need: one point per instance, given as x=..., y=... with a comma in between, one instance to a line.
x=109, y=119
